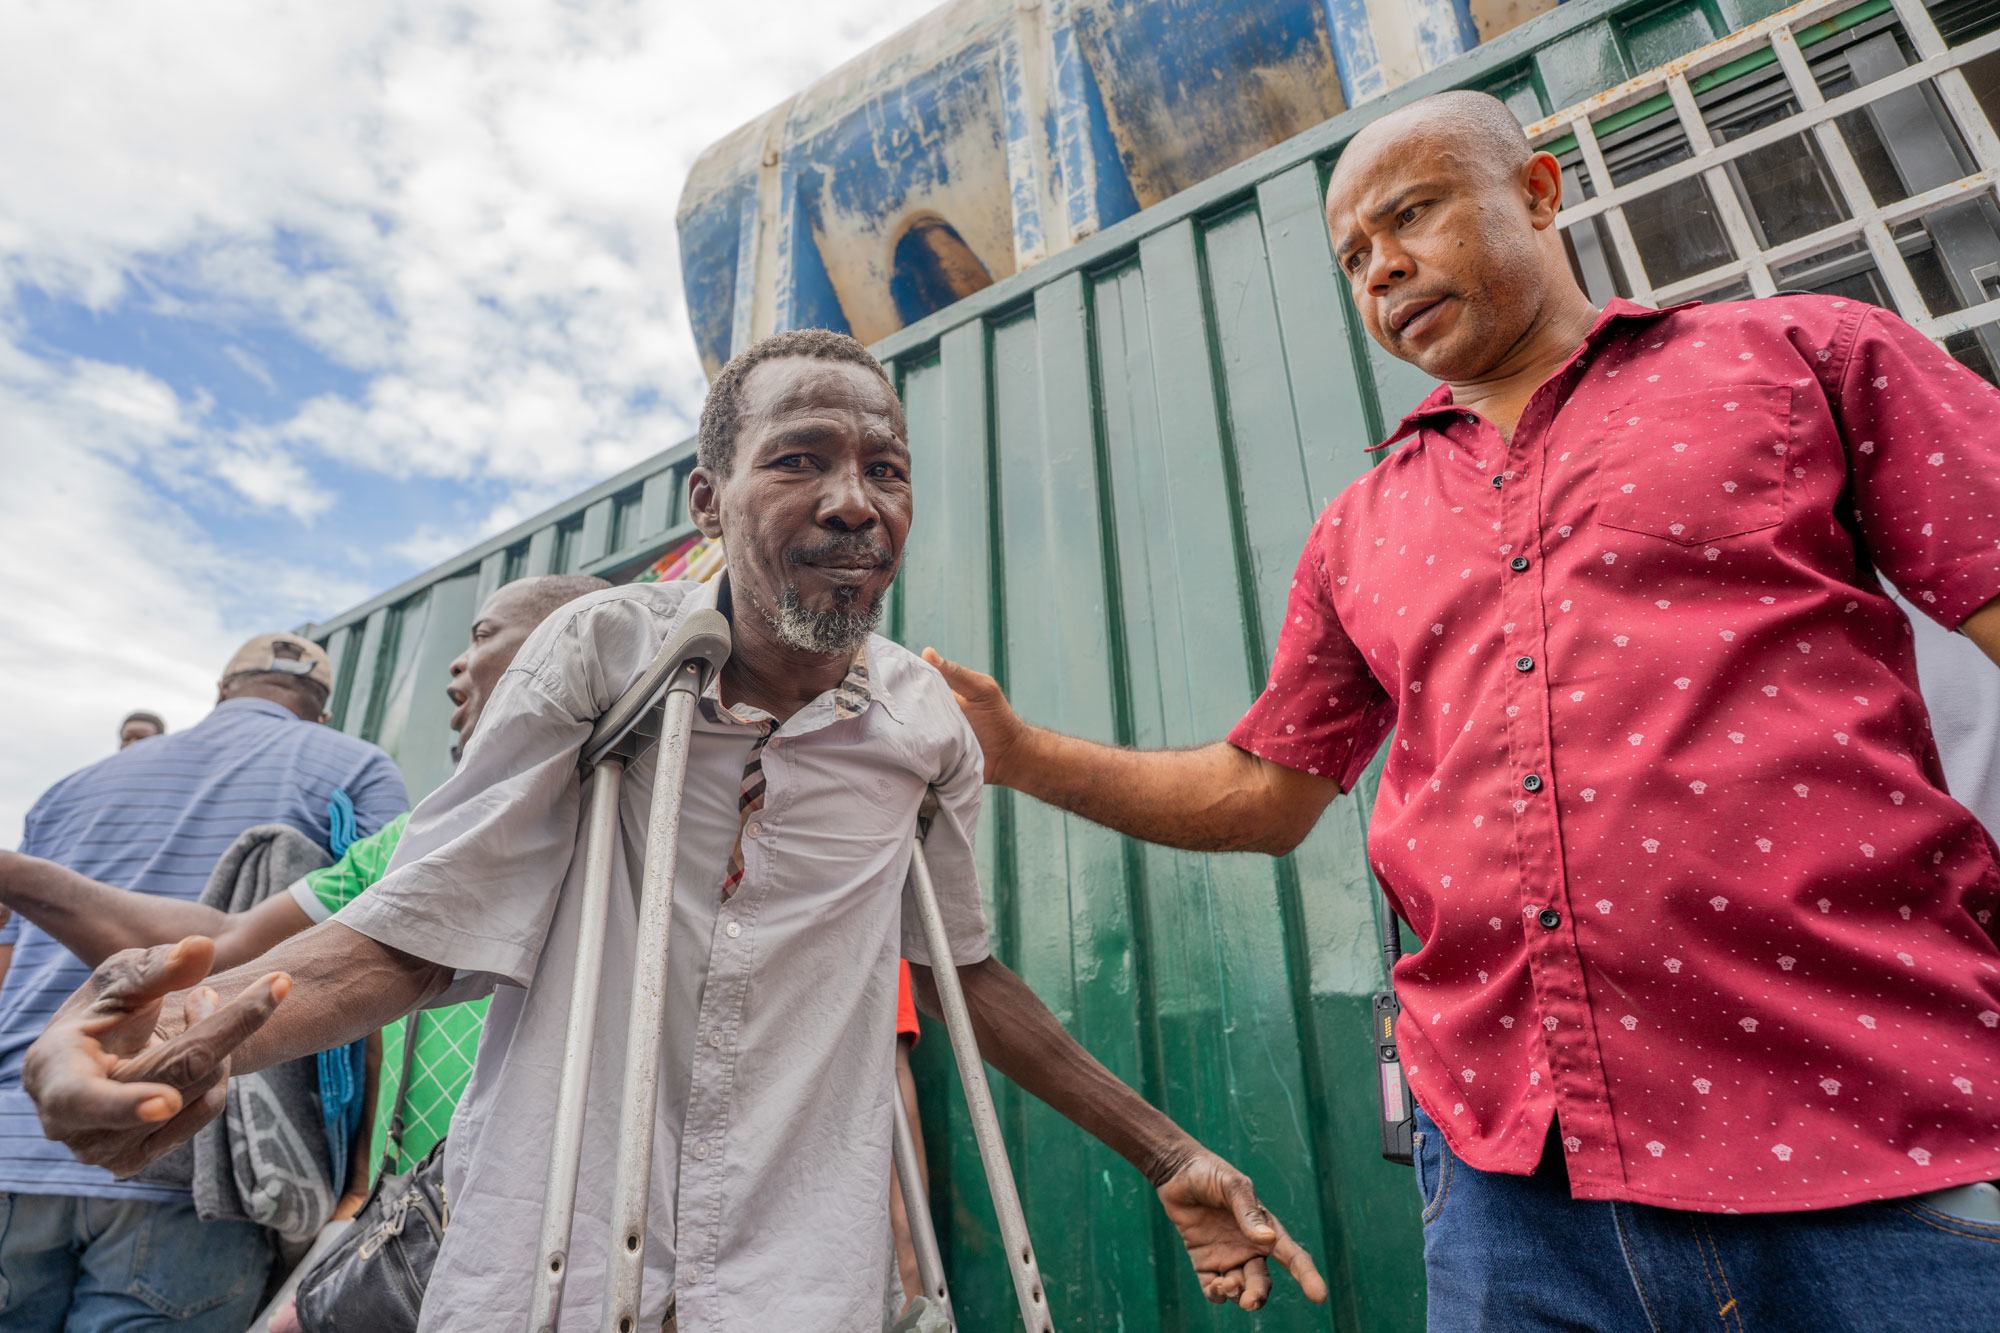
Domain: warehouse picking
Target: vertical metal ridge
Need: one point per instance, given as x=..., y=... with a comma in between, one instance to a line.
x=1000, y=806
x=1166, y=1251
x=1282, y=203
x=892, y=626
x=1232, y=464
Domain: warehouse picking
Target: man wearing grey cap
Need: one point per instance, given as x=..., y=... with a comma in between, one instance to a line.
x=80, y=1249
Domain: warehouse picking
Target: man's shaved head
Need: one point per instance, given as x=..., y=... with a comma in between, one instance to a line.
x=1443, y=222
x=1474, y=128
x=533, y=599
x=501, y=627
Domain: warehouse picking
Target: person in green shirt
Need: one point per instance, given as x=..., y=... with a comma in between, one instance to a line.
x=94, y=920
x=407, y=1125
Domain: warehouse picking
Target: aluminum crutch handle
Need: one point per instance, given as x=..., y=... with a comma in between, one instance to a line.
x=917, y=1212
x=630, y=726
x=1035, y=1315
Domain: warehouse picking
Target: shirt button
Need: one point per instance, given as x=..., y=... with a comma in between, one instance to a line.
x=701, y=1151
x=756, y=830
x=734, y=928
x=1524, y=664
x=715, y=1040
x=1533, y=782
x=1550, y=918
x=1498, y=481
x=1518, y=563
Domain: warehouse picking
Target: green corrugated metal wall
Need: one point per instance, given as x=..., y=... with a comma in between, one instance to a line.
x=1114, y=486
x=1118, y=455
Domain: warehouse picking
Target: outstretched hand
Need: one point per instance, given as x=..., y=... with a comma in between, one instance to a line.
x=993, y=720
x=128, y=1069
x=1230, y=1235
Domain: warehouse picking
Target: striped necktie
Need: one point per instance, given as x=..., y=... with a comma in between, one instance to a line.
x=850, y=700
x=747, y=805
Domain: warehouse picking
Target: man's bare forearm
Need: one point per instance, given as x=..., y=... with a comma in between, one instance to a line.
x=1023, y=1040
x=1213, y=799
x=344, y=986
x=93, y=920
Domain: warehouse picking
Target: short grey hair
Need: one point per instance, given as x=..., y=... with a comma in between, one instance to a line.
x=722, y=412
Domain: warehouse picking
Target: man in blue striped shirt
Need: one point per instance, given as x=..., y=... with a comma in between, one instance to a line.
x=79, y=1249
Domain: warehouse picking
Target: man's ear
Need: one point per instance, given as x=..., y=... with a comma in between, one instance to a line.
x=1542, y=181
x=705, y=502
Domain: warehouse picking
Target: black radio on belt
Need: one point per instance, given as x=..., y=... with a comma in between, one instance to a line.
x=1398, y=1117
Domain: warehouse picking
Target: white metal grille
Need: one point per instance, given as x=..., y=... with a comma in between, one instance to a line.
x=1753, y=258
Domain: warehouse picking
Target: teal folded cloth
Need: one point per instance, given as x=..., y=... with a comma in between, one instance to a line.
x=341, y=831
x=343, y=1073
x=343, y=1086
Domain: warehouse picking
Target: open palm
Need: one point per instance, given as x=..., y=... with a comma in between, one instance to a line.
x=137, y=1059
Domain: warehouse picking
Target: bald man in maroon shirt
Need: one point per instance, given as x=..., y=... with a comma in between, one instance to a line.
x=1703, y=1026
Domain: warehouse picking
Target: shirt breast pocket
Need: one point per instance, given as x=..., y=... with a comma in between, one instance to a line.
x=1699, y=467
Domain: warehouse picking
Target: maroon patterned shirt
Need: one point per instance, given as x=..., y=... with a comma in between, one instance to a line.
x=1663, y=802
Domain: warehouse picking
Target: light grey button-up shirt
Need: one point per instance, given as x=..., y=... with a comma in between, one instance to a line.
x=773, y=1132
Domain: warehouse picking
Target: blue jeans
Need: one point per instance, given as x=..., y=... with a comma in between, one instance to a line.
x=94, y=1265
x=1516, y=1252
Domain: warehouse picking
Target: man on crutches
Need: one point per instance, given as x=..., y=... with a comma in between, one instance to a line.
x=806, y=759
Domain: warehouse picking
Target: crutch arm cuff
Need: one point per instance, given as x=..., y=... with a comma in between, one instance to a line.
x=700, y=640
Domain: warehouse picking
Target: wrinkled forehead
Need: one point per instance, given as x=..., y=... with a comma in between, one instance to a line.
x=1381, y=163
x=792, y=387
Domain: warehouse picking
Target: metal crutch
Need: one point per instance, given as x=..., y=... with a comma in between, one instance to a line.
x=659, y=707
x=917, y=1212
x=979, y=1100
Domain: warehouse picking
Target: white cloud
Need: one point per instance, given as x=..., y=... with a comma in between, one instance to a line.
x=471, y=206
x=114, y=598
x=247, y=362
x=430, y=545
x=484, y=194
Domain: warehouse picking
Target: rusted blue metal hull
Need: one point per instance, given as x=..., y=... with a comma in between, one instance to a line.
x=1012, y=131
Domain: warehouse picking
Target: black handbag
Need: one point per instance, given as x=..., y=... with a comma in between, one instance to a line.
x=373, y=1279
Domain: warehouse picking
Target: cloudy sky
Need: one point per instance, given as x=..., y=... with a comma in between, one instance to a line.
x=298, y=298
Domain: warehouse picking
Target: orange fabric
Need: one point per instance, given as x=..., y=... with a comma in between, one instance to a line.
x=906, y=1004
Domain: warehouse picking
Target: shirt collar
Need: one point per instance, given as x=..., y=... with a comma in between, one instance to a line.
x=1439, y=404
x=861, y=686
x=268, y=707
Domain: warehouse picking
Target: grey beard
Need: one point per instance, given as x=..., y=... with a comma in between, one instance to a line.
x=841, y=630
